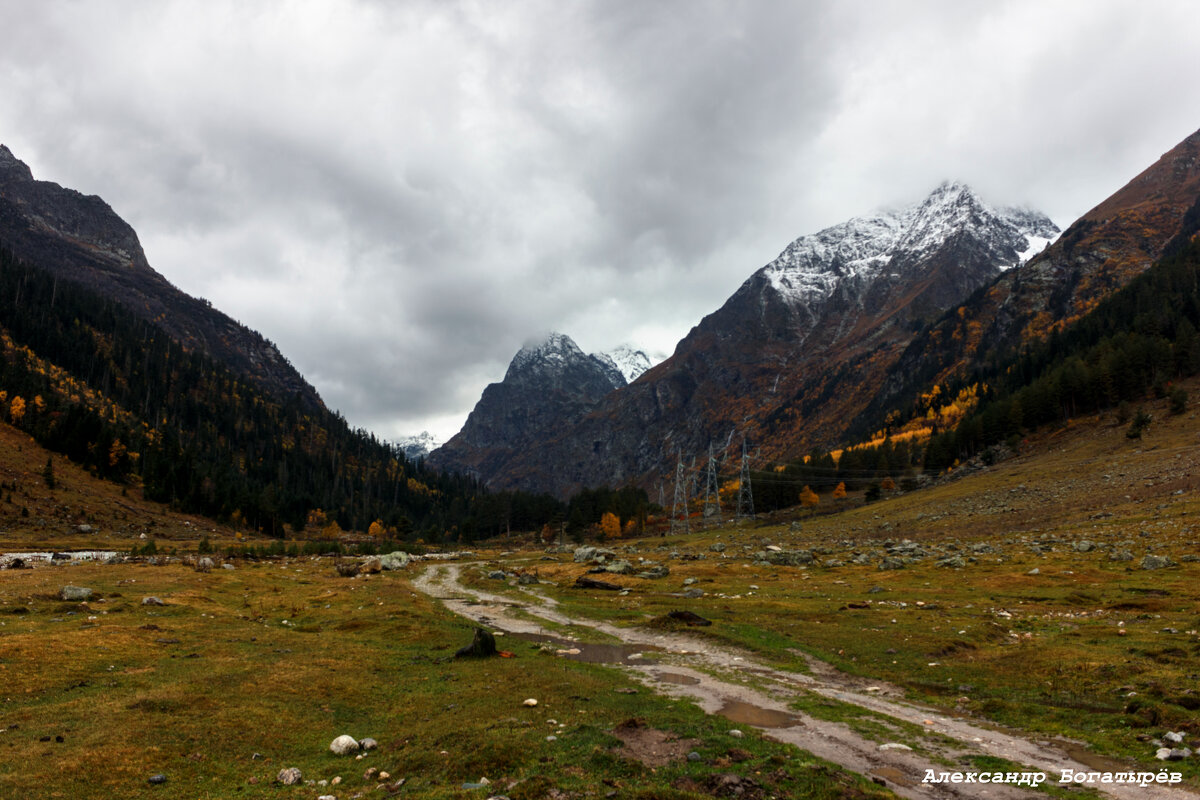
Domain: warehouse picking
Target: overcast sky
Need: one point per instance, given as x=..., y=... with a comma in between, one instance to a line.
x=400, y=193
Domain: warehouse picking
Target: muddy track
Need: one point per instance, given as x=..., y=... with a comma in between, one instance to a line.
x=722, y=680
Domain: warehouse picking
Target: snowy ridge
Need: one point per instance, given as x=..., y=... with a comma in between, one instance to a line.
x=861, y=249
x=630, y=361
x=556, y=353
x=419, y=446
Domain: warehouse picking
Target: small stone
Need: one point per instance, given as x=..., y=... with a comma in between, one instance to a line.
x=531, y=702
x=368, y=744
x=1034, y=571
x=735, y=733
x=158, y=779
x=336, y=780
x=693, y=756
x=551, y=738
x=327, y=797
x=370, y=774
x=343, y=745
x=383, y=776
x=152, y=601
x=290, y=776
x=894, y=746
x=1173, y=737
x=1163, y=753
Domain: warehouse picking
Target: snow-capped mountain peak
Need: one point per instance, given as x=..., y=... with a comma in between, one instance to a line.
x=630, y=361
x=554, y=355
x=858, y=251
x=419, y=446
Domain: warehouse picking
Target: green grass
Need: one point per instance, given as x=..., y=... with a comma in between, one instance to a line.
x=217, y=693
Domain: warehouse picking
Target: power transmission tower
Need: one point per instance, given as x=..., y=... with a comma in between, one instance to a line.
x=745, y=501
x=712, y=490
x=678, y=525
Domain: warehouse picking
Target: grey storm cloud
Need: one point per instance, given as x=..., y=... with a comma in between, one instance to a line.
x=400, y=193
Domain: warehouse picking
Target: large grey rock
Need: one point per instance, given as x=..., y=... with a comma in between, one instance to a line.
x=396, y=560
x=75, y=593
x=343, y=745
x=205, y=564
x=587, y=554
x=891, y=563
x=619, y=567
x=1120, y=555
x=788, y=558
x=657, y=571
x=1157, y=562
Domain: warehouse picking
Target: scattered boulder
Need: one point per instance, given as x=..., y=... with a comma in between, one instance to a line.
x=157, y=780
x=482, y=645
x=1120, y=555
x=347, y=569
x=1084, y=546
x=372, y=566
x=343, y=745
x=954, y=562
x=657, y=571
x=204, y=564
x=152, y=601
x=527, y=579
x=694, y=594
x=587, y=554
x=788, y=558
x=619, y=567
x=397, y=560
x=584, y=582
x=497, y=575
x=368, y=744
x=290, y=776
x=717, y=547
x=689, y=618
x=74, y=593
x=1156, y=562
x=891, y=563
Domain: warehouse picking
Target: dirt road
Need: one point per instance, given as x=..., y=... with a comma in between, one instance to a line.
x=721, y=680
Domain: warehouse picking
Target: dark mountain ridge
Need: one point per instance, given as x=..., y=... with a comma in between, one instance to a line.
x=79, y=238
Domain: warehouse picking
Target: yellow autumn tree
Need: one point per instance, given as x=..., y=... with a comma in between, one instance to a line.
x=610, y=525
x=840, y=492
x=888, y=485
x=809, y=498
x=17, y=409
x=376, y=530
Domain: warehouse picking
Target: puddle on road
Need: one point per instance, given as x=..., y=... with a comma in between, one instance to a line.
x=589, y=653
x=759, y=717
x=675, y=677
x=892, y=775
x=1080, y=753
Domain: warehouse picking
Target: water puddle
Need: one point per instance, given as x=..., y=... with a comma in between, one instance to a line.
x=893, y=775
x=759, y=717
x=676, y=678
x=1080, y=753
x=589, y=653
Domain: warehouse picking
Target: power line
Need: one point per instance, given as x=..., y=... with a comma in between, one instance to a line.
x=677, y=525
x=712, y=489
x=745, y=500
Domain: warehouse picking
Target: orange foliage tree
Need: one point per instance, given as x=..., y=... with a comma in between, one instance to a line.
x=809, y=498
x=840, y=491
x=610, y=525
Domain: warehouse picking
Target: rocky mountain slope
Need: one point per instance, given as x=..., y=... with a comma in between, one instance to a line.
x=550, y=384
x=794, y=353
x=1155, y=213
x=80, y=238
